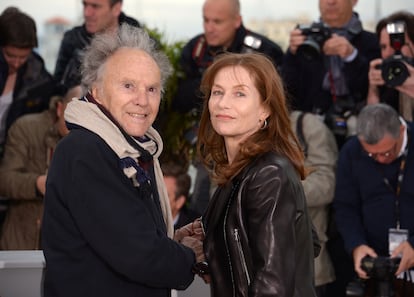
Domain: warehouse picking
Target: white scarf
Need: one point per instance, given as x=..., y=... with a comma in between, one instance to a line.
x=89, y=116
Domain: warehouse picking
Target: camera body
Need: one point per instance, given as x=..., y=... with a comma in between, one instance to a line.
x=382, y=271
x=381, y=268
x=316, y=35
x=393, y=70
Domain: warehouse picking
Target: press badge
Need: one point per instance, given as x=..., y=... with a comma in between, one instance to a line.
x=395, y=237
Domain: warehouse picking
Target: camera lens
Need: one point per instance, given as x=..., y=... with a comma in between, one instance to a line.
x=309, y=49
x=394, y=72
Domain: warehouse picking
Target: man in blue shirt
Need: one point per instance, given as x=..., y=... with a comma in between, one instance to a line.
x=374, y=193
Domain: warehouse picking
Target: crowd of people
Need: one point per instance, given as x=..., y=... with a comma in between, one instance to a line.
x=303, y=165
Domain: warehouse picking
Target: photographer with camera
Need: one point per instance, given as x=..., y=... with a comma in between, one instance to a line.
x=391, y=78
x=374, y=194
x=224, y=31
x=326, y=65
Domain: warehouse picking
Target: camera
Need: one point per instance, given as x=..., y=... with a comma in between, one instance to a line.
x=393, y=70
x=382, y=271
x=316, y=35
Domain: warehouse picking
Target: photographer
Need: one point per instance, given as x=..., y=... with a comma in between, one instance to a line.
x=335, y=81
x=374, y=191
x=395, y=47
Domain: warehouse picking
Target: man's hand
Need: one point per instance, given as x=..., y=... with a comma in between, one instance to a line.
x=338, y=46
x=375, y=74
x=358, y=253
x=408, y=86
x=194, y=229
x=41, y=184
x=295, y=40
x=407, y=260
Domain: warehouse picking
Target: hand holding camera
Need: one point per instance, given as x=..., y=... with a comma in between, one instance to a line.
x=407, y=86
x=406, y=251
x=394, y=69
x=338, y=46
x=360, y=253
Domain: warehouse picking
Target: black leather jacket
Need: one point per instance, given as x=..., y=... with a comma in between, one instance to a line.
x=258, y=234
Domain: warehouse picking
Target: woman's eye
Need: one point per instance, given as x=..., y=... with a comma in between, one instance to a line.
x=240, y=94
x=216, y=92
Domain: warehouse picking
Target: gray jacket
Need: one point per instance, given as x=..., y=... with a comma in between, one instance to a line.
x=319, y=185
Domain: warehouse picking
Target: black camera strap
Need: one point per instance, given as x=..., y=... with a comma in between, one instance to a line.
x=400, y=179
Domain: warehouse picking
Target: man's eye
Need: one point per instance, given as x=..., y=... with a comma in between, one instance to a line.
x=152, y=90
x=128, y=86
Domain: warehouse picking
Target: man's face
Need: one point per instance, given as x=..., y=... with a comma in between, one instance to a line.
x=387, y=50
x=129, y=87
x=99, y=15
x=386, y=150
x=171, y=185
x=15, y=57
x=336, y=13
x=220, y=22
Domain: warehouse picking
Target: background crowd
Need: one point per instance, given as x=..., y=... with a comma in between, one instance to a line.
x=349, y=100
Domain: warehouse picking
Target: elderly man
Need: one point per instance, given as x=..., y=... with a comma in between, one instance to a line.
x=374, y=190
x=107, y=228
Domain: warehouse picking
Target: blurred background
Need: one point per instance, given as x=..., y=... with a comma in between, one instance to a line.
x=178, y=20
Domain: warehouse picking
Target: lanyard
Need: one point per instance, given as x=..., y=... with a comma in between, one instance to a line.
x=400, y=179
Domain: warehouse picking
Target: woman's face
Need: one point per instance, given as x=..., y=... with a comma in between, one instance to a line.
x=235, y=105
x=15, y=57
x=130, y=89
x=387, y=50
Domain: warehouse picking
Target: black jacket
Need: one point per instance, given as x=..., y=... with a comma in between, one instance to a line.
x=258, y=234
x=34, y=86
x=101, y=235
x=187, y=215
x=69, y=57
x=304, y=77
x=197, y=55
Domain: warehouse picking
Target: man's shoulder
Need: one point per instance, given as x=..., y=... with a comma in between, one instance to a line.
x=77, y=37
x=32, y=122
x=123, y=18
x=351, y=148
x=194, y=41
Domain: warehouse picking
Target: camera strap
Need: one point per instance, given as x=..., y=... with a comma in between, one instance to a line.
x=400, y=179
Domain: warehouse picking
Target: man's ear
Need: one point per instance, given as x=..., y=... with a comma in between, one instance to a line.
x=117, y=8
x=95, y=94
x=59, y=109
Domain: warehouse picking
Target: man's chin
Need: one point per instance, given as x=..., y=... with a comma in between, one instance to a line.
x=90, y=29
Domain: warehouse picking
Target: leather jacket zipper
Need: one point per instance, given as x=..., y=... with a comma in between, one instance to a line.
x=241, y=254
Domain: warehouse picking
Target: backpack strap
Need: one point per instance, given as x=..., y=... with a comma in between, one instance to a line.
x=300, y=135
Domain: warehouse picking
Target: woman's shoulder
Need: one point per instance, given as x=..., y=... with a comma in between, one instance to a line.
x=269, y=164
x=271, y=159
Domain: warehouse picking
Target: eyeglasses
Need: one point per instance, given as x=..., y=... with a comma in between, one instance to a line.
x=385, y=155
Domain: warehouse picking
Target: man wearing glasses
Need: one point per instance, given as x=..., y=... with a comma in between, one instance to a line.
x=374, y=195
